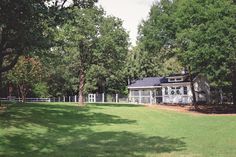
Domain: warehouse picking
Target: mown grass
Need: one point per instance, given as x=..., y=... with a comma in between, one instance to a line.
x=65, y=130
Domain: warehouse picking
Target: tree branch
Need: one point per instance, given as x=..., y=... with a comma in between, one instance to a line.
x=62, y=5
x=7, y=52
x=11, y=65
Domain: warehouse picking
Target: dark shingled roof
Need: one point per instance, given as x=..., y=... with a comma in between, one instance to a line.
x=148, y=81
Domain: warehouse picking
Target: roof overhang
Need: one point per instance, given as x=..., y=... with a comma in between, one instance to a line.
x=175, y=83
x=144, y=87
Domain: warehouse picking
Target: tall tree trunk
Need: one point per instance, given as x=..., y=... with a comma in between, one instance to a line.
x=233, y=80
x=1, y=88
x=23, y=92
x=192, y=88
x=81, y=87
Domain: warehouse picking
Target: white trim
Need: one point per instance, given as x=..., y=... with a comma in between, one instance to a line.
x=162, y=85
x=175, y=84
x=173, y=80
x=170, y=77
x=144, y=87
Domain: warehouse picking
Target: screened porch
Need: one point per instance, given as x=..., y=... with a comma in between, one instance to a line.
x=145, y=96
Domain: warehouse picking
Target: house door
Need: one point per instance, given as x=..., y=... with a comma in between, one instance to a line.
x=159, y=95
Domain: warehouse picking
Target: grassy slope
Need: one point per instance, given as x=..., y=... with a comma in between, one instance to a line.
x=112, y=130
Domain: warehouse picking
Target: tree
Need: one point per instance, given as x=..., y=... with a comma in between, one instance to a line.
x=27, y=72
x=199, y=34
x=22, y=29
x=25, y=26
x=112, y=48
x=206, y=39
x=80, y=35
x=156, y=41
x=93, y=45
x=141, y=63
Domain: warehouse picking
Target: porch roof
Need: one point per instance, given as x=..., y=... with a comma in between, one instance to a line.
x=148, y=82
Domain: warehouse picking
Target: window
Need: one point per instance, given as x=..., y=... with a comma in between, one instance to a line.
x=185, y=90
x=178, y=79
x=145, y=93
x=172, y=92
x=175, y=91
x=166, y=91
x=135, y=93
x=159, y=92
x=175, y=79
x=178, y=90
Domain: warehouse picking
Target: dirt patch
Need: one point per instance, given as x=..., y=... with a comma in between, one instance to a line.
x=212, y=110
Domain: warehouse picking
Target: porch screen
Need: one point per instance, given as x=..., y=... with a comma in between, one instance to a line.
x=140, y=96
x=145, y=96
x=134, y=96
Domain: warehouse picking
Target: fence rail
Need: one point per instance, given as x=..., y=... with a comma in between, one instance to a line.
x=90, y=98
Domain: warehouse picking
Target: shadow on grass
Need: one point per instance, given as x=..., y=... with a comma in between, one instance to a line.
x=115, y=105
x=124, y=144
x=55, y=115
x=62, y=130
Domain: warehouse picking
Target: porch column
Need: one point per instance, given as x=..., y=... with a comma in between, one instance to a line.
x=140, y=96
x=129, y=98
x=151, y=97
x=163, y=94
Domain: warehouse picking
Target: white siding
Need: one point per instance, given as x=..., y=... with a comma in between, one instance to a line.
x=177, y=98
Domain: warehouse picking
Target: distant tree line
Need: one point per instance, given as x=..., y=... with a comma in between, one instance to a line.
x=61, y=47
x=67, y=47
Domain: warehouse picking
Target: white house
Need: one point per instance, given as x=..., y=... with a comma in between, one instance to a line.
x=170, y=89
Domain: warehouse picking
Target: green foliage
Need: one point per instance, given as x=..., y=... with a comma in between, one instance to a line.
x=23, y=30
x=141, y=63
x=94, y=46
x=27, y=72
x=206, y=37
x=156, y=42
x=196, y=34
x=40, y=90
x=112, y=47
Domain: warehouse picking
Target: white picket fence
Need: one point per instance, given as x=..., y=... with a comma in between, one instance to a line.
x=90, y=98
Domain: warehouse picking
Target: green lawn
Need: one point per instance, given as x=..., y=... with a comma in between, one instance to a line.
x=64, y=130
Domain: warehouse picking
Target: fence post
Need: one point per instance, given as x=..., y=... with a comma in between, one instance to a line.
x=49, y=100
x=59, y=99
x=69, y=98
x=64, y=98
x=116, y=98
x=54, y=100
x=75, y=98
x=103, y=97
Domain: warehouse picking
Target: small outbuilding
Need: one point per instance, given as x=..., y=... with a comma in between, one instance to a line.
x=174, y=88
